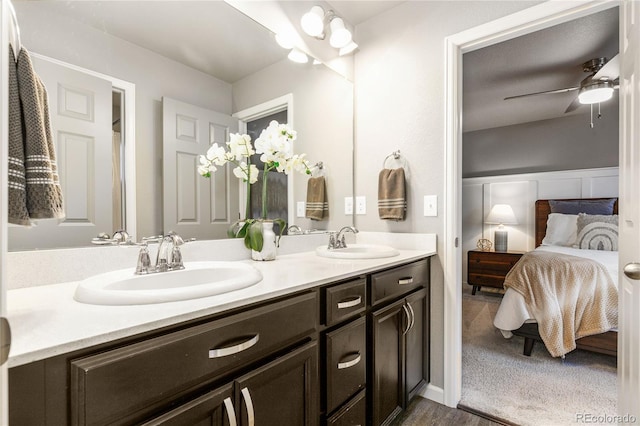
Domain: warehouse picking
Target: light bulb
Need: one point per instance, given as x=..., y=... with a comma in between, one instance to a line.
x=313, y=21
x=298, y=56
x=340, y=36
x=285, y=40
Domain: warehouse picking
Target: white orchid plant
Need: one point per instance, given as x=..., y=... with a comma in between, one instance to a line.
x=275, y=144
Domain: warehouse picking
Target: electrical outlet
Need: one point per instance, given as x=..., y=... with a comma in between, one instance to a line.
x=361, y=205
x=348, y=205
x=300, y=208
x=431, y=205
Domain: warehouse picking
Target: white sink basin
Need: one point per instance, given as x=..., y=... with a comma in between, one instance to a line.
x=198, y=279
x=358, y=251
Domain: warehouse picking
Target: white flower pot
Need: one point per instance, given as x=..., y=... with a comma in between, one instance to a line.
x=269, y=248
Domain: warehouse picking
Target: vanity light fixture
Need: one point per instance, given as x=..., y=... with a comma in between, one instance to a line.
x=285, y=40
x=313, y=23
x=348, y=48
x=297, y=55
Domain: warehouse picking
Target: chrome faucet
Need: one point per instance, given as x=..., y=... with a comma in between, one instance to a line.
x=168, y=258
x=337, y=241
x=294, y=230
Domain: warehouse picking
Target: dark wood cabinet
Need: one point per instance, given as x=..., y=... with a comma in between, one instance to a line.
x=399, y=347
x=347, y=353
x=488, y=268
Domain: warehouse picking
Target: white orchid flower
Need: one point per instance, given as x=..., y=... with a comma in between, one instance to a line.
x=217, y=155
x=240, y=146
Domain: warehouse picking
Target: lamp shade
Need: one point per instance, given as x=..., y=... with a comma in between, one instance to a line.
x=312, y=22
x=340, y=35
x=501, y=214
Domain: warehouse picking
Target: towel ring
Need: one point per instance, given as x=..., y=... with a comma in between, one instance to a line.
x=395, y=155
x=318, y=169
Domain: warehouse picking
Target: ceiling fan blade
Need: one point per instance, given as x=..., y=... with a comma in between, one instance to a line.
x=610, y=70
x=546, y=92
x=573, y=105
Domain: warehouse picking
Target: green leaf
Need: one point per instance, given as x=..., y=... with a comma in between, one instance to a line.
x=256, y=240
x=282, y=224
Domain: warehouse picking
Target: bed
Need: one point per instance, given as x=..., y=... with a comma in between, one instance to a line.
x=514, y=316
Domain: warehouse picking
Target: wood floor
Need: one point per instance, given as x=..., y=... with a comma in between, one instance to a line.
x=424, y=412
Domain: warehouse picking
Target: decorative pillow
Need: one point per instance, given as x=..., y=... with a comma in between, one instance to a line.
x=562, y=230
x=604, y=207
x=597, y=232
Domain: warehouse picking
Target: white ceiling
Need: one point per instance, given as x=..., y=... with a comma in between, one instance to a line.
x=544, y=60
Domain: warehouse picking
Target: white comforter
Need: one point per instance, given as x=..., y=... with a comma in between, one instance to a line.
x=513, y=311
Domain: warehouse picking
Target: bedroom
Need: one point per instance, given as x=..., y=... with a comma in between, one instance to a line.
x=516, y=151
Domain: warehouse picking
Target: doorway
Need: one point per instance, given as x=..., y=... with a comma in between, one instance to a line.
x=538, y=17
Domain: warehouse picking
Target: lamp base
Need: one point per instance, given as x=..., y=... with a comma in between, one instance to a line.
x=500, y=240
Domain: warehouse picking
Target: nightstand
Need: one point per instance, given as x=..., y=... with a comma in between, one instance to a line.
x=488, y=268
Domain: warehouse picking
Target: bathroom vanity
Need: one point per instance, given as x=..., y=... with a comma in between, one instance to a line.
x=346, y=345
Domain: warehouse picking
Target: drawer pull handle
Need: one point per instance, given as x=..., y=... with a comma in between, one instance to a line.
x=247, y=400
x=406, y=280
x=350, y=363
x=350, y=303
x=232, y=350
x=231, y=414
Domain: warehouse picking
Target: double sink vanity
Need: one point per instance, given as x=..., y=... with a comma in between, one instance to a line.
x=314, y=337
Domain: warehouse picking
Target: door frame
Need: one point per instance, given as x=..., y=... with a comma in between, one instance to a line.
x=258, y=111
x=520, y=23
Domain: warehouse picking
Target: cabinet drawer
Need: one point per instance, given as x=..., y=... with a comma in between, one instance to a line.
x=345, y=300
x=121, y=384
x=486, y=280
x=346, y=362
x=354, y=413
x=396, y=282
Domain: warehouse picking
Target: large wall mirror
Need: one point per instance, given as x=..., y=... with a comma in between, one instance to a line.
x=202, y=54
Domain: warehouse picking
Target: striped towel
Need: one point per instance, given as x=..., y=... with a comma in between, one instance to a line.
x=43, y=191
x=317, y=204
x=18, y=213
x=392, y=202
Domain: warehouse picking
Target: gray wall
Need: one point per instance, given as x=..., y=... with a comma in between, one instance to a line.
x=399, y=81
x=566, y=143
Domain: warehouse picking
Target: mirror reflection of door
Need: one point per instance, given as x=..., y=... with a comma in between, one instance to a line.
x=81, y=121
x=277, y=186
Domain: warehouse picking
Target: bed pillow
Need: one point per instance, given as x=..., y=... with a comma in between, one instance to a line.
x=597, y=232
x=603, y=207
x=562, y=230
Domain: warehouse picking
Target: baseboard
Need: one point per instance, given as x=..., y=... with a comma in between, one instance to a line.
x=433, y=393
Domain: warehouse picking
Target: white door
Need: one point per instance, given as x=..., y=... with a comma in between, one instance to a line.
x=80, y=111
x=195, y=206
x=629, y=285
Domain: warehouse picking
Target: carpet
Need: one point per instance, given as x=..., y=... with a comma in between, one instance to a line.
x=538, y=390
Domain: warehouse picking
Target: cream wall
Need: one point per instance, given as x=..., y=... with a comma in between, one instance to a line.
x=399, y=86
x=154, y=76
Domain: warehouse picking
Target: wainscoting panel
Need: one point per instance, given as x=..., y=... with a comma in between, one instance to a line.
x=521, y=191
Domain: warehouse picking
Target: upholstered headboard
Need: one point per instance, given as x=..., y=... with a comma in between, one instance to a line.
x=543, y=210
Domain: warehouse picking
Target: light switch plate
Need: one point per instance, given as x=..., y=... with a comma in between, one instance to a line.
x=361, y=205
x=300, y=209
x=431, y=205
x=348, y=205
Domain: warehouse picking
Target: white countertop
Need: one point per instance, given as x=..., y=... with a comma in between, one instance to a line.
x=47, y=321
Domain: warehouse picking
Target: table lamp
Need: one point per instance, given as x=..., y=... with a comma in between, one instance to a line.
x=501, y=214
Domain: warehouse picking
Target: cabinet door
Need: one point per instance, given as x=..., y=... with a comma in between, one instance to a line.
x=282, y=392
x=214, y=408
x=416, y=344
x=388, y=325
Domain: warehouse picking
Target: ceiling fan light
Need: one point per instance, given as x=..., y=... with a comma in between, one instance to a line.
x=340, y=36
x=312, y=22
x=595, y=93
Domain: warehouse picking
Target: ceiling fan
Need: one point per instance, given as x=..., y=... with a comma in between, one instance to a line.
x=597, y=87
